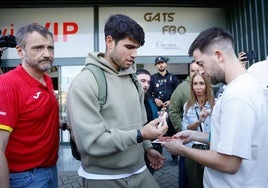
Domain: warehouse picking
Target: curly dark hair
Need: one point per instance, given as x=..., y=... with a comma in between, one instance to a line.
x=120, y=26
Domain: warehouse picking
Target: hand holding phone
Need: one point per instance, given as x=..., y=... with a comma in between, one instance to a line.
x=250, y=55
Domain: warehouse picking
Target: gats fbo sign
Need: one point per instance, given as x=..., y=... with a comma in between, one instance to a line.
x=168, y=31
x=168, y=17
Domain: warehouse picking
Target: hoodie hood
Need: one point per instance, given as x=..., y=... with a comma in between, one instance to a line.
x=97, y=58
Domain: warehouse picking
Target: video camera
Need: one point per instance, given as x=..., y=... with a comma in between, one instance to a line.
x=7, y=41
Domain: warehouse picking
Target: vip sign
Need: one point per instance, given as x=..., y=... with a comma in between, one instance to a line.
x=66, y=28
x=73, y=33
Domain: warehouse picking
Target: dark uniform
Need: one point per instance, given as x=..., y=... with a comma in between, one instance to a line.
x=161, y=87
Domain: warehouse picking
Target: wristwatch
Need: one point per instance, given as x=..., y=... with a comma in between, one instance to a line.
x=139, y=136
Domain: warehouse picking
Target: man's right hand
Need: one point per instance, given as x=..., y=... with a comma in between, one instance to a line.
x=186, y=136
x=191, y=135
x=151, y=130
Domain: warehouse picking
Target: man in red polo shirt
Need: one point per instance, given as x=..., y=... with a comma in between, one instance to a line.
x=29, y=117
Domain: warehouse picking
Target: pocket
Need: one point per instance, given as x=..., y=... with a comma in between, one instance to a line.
x=20, y=179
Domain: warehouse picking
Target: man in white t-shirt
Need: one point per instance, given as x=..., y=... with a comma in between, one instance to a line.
x=238, y=142
x=260, y=71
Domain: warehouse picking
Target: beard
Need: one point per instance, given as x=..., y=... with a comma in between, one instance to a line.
x=42, y=65
x=162, y=69
x=217, y=78
x=215, y=73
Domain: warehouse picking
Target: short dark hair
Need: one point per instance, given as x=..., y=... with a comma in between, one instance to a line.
x=23, y=31
x=193, y=61
x=120, y=26
x=208, y=37
x=143, y=71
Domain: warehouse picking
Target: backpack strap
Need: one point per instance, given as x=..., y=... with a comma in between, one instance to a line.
x=101, y=82
x=134, y=78
x=102, y=89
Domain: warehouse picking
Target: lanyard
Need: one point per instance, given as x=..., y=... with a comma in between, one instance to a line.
x=198, y=117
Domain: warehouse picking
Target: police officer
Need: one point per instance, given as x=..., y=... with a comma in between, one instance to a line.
x=162, y=84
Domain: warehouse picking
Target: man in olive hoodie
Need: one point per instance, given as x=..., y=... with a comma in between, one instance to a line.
x=112, y=139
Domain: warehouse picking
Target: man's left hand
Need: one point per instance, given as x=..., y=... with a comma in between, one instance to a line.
x=155, y=158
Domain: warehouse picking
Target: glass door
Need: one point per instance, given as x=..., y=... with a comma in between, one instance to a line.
x=66, y=76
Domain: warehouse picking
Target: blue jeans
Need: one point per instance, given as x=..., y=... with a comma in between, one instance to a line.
x=38, y=177
x=183, y=176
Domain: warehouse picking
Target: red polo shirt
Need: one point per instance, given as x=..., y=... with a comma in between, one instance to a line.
x=30, y=112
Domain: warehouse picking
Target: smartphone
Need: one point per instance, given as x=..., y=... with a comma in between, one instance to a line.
x=250, y=55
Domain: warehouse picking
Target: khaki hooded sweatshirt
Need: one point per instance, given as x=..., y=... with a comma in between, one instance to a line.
x=107, y=139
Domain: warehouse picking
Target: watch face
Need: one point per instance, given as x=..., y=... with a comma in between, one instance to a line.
x=139, y=136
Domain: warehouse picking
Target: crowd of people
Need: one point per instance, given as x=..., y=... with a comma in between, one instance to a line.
x=220, y=139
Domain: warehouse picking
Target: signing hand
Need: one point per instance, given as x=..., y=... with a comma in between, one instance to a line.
x=151, y=131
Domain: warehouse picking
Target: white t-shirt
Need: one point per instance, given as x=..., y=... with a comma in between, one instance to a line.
x=239, y=127
x=260, y=71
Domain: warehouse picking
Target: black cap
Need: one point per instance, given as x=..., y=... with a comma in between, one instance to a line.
x=160, y=59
